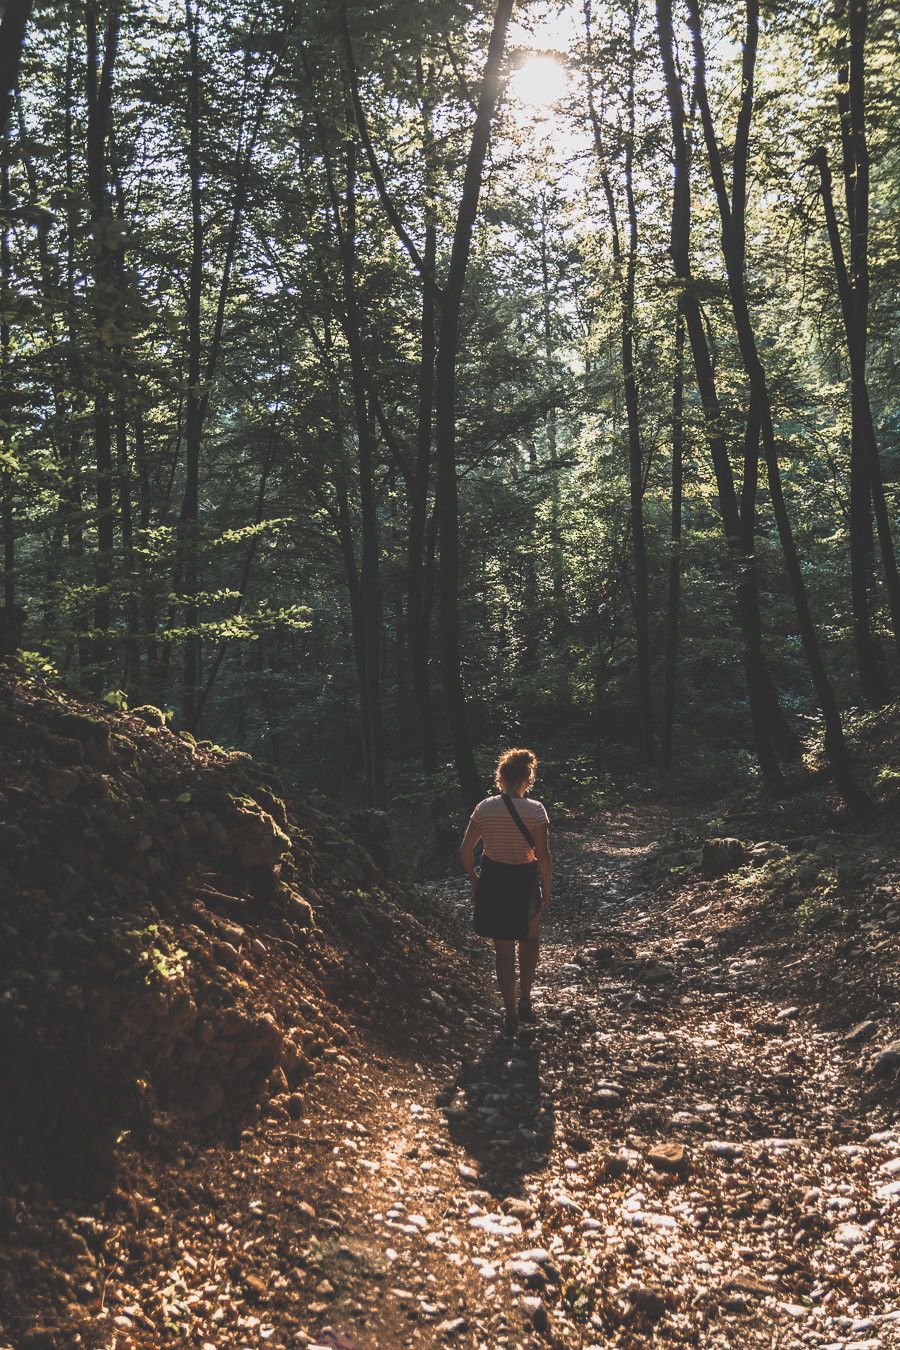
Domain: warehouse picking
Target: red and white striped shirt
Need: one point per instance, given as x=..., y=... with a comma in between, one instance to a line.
x=503, y=840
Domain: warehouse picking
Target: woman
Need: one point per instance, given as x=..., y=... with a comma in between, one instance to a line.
x=508, y=900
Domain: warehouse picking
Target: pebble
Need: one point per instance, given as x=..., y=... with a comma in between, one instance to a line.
x=849, y=1234
x=723, y=1148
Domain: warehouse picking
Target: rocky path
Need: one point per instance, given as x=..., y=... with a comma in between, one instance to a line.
x=675, y=1155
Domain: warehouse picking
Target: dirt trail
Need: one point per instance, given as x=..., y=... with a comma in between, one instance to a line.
x=496, y=1194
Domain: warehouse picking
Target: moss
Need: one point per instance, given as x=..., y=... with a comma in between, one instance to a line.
x=153, y=716
x=274, y=805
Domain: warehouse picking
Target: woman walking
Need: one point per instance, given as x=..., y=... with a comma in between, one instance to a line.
x=514, y=886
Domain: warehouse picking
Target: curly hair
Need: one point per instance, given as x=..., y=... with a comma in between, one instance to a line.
x=515, y=767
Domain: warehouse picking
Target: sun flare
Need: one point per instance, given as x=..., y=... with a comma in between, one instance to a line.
x=539, y=82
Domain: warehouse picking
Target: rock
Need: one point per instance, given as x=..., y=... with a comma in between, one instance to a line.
x=724, y=1148
x=536, y=1313
x=861, y=1032
x=722, y=856
x=39, y=1338
x=60, y=783
x=519, y=1209
x=849, y=1234
x=256, y=1287
x=154, y=717
x=669, y=1157
x=256, y=840
x=606, y=1100
x=528, y=1273
x=745, y=1282
x=887, y=1060
x=452, y=1326
x=650, y=1303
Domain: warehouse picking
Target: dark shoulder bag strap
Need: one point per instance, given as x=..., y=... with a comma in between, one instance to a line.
x=507, y=802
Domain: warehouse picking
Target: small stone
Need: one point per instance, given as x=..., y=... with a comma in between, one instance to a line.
x=724, y=1148
x=606, y=1099
x=651, y=1303
x=668, y=1157
x=452, y=1326
x=861, y=1032
x=849, y=1234
x=887, y=1059
x=537, y=1313
x=256, y=1286
x=528, y=1273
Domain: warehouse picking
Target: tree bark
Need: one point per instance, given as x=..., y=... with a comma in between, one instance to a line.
x=99, y=82
x=732, y=252
x=674, y=606
x=445, y=413
x=765, y=711
x=12, y=39
x=626, y=269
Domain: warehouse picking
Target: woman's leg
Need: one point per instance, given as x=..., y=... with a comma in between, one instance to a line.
x=506, y=972
x=529, y=949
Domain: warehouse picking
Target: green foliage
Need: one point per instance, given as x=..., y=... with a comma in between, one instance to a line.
x=255, y=567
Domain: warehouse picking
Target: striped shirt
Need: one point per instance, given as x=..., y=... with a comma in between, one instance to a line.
x=503, y=840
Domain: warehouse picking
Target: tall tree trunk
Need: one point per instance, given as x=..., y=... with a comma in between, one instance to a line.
x=635, y=452
x=370, y=583
x=445, y=413
x=871, y=670
x=188, y=522
x=99, y=81
x=558, y=614
x=673, y=615
x=626, y=268
x=6, y=402
x=858, y=189
x=12, y=39
x=765, y=712
x=418, y=616
x=732, y=251
x=201, y=373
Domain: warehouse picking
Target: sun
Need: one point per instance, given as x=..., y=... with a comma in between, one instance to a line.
x=539, y=82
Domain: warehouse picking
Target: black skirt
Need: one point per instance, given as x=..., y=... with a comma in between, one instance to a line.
x=506, y=899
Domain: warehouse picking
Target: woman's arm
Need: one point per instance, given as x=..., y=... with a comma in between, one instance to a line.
x=467, y=850
x=544, y=861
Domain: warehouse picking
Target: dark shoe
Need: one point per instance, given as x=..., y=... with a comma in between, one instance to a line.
x=526, y=1011
x=510, y=1024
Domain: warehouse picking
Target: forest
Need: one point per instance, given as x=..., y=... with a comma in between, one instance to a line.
x=382, y=384
x=386, y=388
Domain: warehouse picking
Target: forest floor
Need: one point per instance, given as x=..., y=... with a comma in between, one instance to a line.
x=689, y=1148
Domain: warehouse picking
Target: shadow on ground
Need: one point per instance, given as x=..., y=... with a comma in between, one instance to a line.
x=499, y=1113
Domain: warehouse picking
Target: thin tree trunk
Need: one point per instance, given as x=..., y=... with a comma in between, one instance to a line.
x=853, y=292
x=445, y=413
x=188, y=522
x=99, y=80
x=625, y=269
x=635, y=452
x=201, y=374
x=673, y=616
x=12, y=39
x=418, y=614
x=741, y=559
x=835, y=744
x=370, y=583
x=558, y=615
x=6, y=402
